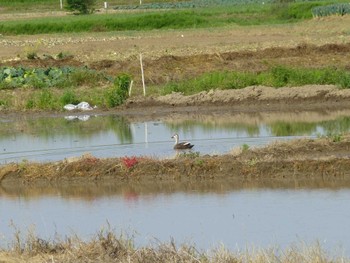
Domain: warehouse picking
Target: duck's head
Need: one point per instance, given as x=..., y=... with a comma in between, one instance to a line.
x=175, y=136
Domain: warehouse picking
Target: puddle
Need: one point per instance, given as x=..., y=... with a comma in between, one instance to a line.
x=51, y=139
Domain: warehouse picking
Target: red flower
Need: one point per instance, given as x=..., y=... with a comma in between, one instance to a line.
x=129, y=162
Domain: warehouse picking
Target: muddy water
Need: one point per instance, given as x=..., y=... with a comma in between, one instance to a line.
x=240, y=216
x=56, y=138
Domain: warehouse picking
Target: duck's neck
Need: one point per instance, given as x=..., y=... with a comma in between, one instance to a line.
x=176, y=139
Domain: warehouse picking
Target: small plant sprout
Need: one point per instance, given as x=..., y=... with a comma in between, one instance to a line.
x=245, y=147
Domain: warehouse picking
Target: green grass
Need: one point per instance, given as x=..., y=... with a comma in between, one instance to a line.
x=215, y=16
x=279, y=76
x=85, y=85
x=54, y=5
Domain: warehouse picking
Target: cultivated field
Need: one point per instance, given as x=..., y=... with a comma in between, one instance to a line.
x=260, y=63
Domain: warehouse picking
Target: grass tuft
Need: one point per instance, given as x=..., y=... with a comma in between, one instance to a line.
x=277, y=76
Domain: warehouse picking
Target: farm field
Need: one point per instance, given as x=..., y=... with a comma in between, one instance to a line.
x=180, y=55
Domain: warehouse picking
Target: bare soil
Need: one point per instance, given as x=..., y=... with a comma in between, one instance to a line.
x=176, y=55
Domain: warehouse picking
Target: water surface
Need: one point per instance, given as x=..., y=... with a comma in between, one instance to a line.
x=50, y=139
x=237, y=214
x=258, y=217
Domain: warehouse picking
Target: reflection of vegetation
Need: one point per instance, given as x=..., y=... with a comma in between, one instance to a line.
x=279, y=128
x=252, y=130
x=341, y=125
x=337, y=126
x=282, y=128
x=123, y=132
x=50, y=127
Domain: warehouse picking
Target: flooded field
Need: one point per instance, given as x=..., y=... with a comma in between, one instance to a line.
x=239, y=214
x=207, y=217
x=57, y=138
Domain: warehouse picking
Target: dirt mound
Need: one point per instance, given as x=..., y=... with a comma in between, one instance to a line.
x=254, y=98
x=44, y=62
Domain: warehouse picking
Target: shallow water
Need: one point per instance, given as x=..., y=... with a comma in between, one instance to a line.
x=239, y=219
x=233, y=213
x=50, y=139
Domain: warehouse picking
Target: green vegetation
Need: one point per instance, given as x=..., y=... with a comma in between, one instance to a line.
x=217, y=15
x=52, y=88
x=245, y=147
x=54, y=5
x=81, y=6
x=278, y=76
x=64, y=77
x=335, y=9
x=119, y=92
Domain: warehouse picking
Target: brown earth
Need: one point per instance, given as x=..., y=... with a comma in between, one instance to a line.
x=176, y=55
x=182, y=54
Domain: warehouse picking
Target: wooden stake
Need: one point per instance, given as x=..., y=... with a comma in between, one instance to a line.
x=143, y=77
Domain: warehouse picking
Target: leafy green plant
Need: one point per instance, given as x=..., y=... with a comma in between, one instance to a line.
x=81, y=6
x=119, y=92
x=15, y=77
x=245, y=147
x=333, y=9
x=32, y=55
x=335, y=137
x=3, y=104
x=45, y=100
x=64, y=55
x=69, y=97
x=30, y=104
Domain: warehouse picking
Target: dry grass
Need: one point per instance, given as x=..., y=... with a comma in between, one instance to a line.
x=106, y=246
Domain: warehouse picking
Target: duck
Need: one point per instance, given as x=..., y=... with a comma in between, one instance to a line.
x=181, y=145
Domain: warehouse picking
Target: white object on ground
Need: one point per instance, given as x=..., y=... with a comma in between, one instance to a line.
x=81, y=106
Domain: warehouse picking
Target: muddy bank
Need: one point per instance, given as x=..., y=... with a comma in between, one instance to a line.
x=254, y=98
x=326, y=159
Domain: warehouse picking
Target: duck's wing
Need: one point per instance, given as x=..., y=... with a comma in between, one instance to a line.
x=183, y=145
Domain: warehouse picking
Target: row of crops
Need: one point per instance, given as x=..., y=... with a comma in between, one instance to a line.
x=15, y=77
x=328, y=10
x=340, y=8
x=192, y=4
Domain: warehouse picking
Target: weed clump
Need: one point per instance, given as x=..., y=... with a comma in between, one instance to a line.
x=119, y=92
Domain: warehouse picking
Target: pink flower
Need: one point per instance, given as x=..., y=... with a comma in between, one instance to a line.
x=129, y=162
